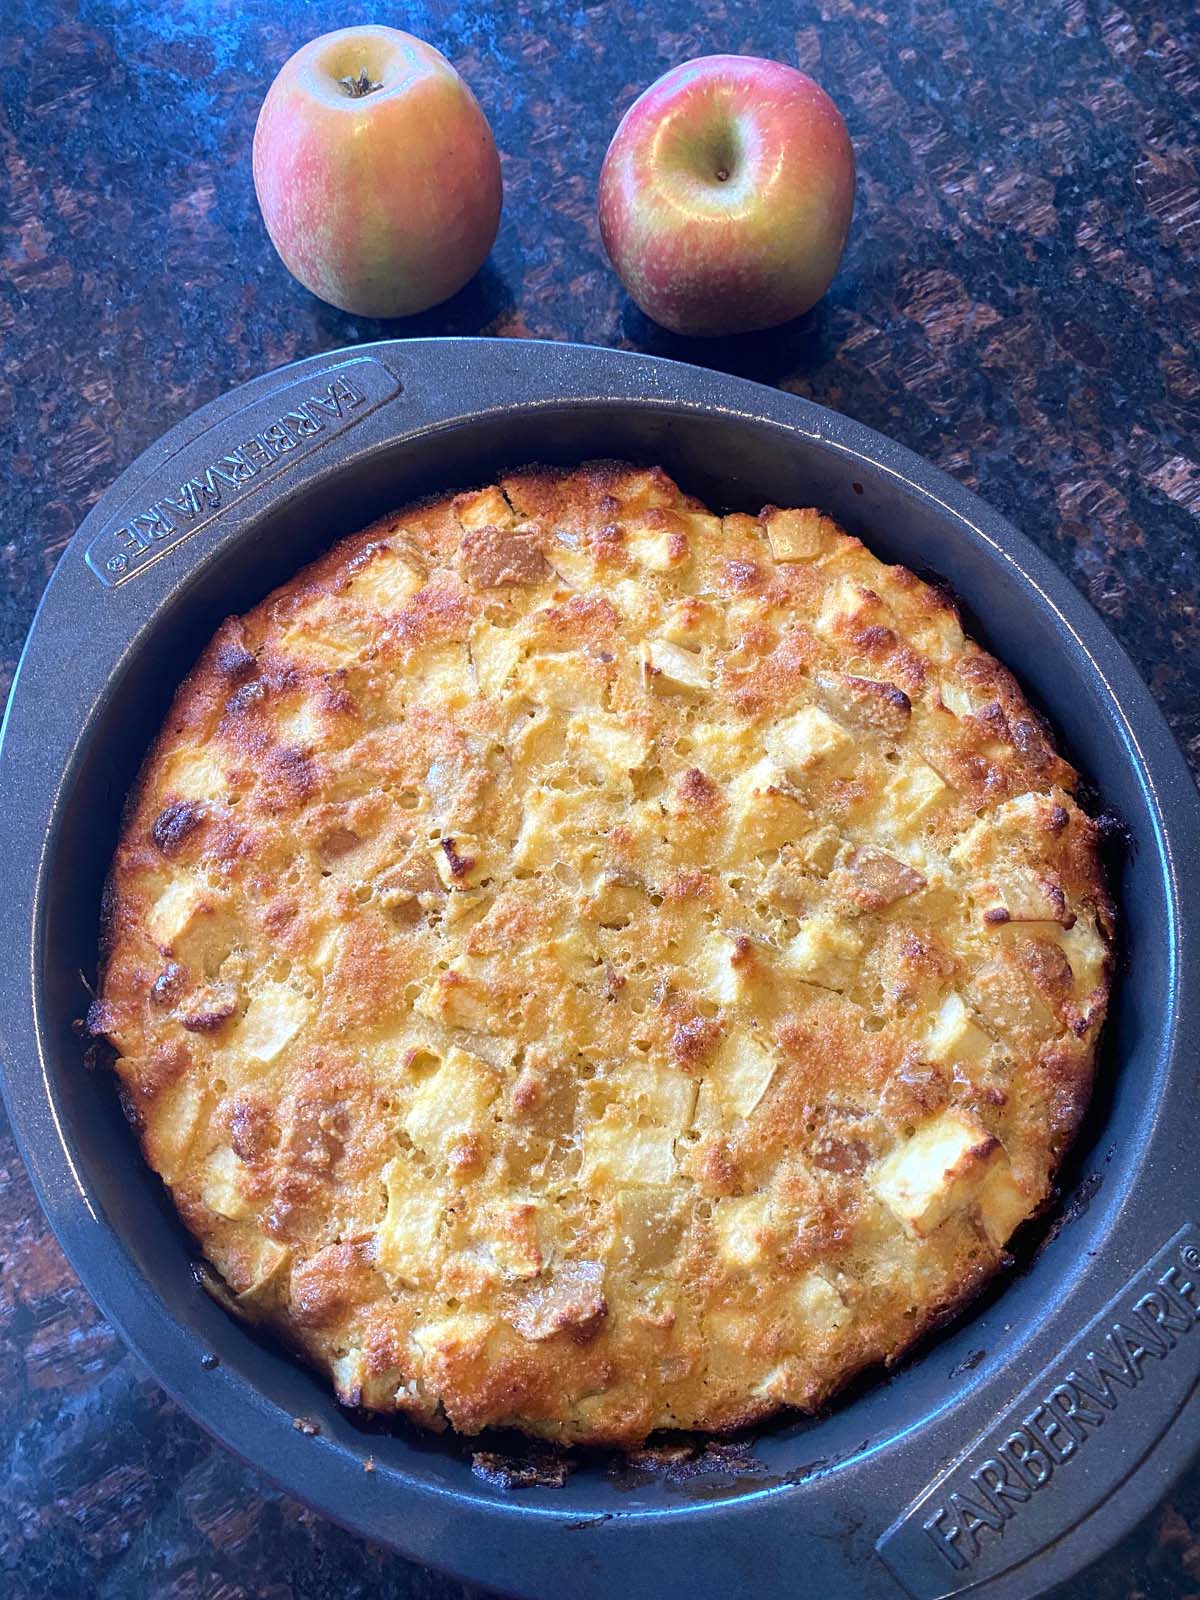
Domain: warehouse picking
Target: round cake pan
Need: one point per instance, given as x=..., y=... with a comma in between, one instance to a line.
x=1001, y=1456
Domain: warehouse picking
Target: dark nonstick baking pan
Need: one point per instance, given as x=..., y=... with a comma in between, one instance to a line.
x=1000, y=1457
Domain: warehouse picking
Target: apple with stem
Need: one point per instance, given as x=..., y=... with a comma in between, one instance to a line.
x=726, y=194
x=376, y=172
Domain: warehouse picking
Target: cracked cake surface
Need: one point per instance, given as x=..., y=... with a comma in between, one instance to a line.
x=586, y=964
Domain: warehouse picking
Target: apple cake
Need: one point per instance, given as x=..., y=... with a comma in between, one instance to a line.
x=585, y=964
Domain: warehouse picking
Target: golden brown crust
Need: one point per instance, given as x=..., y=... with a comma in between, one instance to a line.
x=585, y=964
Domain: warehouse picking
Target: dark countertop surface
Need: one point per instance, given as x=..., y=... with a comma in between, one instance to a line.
x=1019, y=302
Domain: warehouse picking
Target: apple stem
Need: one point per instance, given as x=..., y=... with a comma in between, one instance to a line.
x=358, y=87
x=722, y=175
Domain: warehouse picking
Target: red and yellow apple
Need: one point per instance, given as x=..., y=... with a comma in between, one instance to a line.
x=376, y=172
x=726, y=194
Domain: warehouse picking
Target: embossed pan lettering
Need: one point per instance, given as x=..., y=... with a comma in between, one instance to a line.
x=195, y=484
x=1018, y=1486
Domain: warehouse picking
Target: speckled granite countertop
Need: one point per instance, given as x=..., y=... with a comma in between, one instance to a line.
x=1020, y=302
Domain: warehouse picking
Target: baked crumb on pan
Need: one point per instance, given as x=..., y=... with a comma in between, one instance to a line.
x=588, y=965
